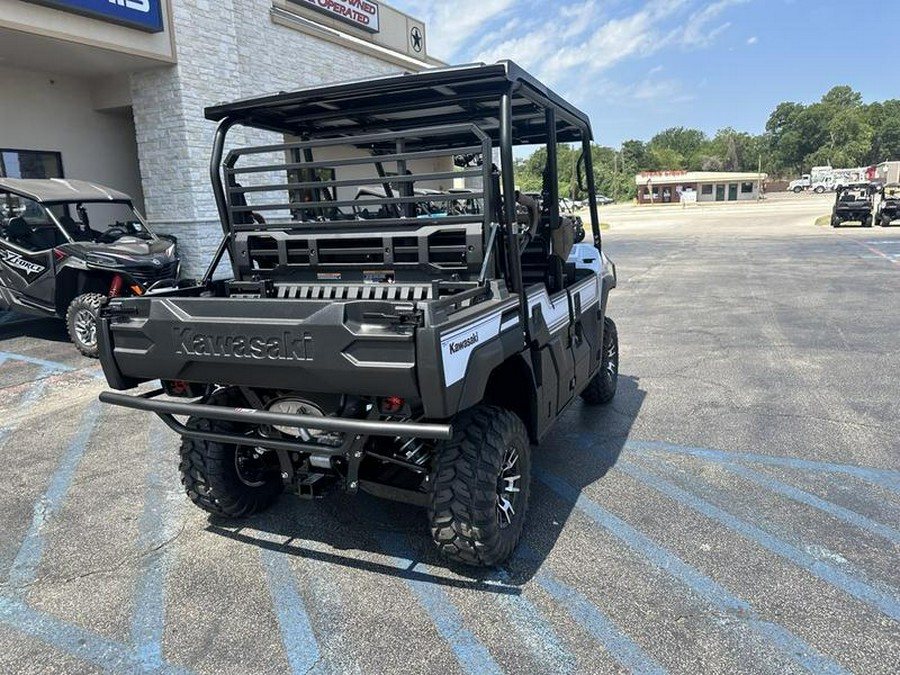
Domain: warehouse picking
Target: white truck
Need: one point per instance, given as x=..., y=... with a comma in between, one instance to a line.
x=822, y=178
x=819, y=179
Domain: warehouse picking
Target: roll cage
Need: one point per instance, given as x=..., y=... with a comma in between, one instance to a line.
x=392, y=122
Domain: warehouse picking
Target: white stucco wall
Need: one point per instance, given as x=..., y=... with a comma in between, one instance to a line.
x=225, y=50
x=42, y=111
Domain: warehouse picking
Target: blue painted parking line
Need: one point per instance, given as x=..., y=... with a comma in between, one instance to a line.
x=28, y=559
x=31, y=397
x=702, y=586
x=883, y=601
x=621, y=647
x=157, y=525
x=297, y=636
x=82, y=644
x=54, y=367
x=823, y=505
x=472, y=656
x=886, y=478
x=534, y=629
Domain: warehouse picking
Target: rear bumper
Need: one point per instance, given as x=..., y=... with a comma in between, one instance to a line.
x=353, y=428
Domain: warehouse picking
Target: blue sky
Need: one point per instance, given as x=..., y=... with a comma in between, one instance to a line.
x=638, y=66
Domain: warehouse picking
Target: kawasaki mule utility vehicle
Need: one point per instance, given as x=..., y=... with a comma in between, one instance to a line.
x=402, y=321
x=66, y=246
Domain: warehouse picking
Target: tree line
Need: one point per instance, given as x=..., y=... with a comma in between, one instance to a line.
x=839, y=130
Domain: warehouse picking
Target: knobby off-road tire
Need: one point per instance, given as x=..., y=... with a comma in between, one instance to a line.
x=602, y=387
x=835, y=222
x=487, y=460
x=81, y=322
x=223, y=478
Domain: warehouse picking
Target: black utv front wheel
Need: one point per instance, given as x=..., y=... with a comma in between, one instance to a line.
x=602, y=388
x=480, y=485
x=81, y=320
x=225, y=479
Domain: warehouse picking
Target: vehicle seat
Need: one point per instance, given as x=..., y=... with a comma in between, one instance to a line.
x=18, y=232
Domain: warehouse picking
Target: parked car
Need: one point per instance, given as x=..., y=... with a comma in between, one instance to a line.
x=603, y=200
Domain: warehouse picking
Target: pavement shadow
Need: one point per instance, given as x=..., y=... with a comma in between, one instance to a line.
x=13, y=325
x=341, y=529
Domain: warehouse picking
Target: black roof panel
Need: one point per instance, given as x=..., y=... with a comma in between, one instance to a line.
x=441, y=96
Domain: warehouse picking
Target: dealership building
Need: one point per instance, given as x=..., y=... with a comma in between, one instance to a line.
x=113, y=91
x=674, y=187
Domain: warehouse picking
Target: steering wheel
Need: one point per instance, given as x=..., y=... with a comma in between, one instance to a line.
x=112, y=234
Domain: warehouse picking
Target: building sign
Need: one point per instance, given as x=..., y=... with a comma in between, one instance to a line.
x=360, y=13
x=145, y=15
x=654, y=174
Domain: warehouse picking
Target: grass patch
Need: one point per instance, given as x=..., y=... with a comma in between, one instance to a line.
x=604, y=226
x=824, y=220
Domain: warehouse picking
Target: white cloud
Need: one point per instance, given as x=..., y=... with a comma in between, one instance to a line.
x=572, y=45
x=752, y=40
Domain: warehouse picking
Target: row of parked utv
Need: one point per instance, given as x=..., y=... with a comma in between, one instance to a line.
x=866, y=203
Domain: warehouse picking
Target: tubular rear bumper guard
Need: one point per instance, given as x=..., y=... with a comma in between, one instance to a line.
x=353, y=428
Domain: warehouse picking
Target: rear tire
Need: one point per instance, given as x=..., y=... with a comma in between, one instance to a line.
x=819, y=190
x=867, y=221
x=226, y=479
x=797, y=190
x=480, y=487
x=602, y=388
x=835, y=221
x=81, y=322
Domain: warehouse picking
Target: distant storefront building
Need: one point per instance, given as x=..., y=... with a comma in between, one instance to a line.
x=113, y=91
x=674, y=187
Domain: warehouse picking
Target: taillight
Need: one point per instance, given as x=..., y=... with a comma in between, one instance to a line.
x=392, y=404
x=59, y=254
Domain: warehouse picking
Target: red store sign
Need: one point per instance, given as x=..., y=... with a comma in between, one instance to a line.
x=360, y=13
x=654, y=174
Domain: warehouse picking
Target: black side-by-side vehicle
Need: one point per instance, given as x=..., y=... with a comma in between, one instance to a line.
x=66, y=246
x=889, y=204
x=853, y=202
x=401, y=320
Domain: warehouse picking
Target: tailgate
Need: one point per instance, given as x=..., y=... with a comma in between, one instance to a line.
x=317, y=346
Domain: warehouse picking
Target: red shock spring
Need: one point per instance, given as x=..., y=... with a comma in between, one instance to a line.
x=115, y=286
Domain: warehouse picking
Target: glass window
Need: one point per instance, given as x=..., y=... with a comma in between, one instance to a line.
x=706, y=189
x=746, y=188
x=30, y=164
x=28, y=225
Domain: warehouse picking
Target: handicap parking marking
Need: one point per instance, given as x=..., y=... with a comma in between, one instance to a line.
x=702, y=586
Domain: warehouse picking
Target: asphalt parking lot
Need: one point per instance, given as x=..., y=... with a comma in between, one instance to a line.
x=736, y=509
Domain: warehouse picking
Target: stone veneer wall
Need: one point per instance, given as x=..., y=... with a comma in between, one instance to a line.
x=226, y=50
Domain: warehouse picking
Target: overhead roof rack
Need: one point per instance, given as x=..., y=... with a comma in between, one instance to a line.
x=395, y=103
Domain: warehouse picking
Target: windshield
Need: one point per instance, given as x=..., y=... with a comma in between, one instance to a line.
x=104, y=222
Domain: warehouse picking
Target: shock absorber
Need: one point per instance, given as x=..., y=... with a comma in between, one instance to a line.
x=115, y=286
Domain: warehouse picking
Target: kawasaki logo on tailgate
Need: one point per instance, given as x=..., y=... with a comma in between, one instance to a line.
x=288, y=346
